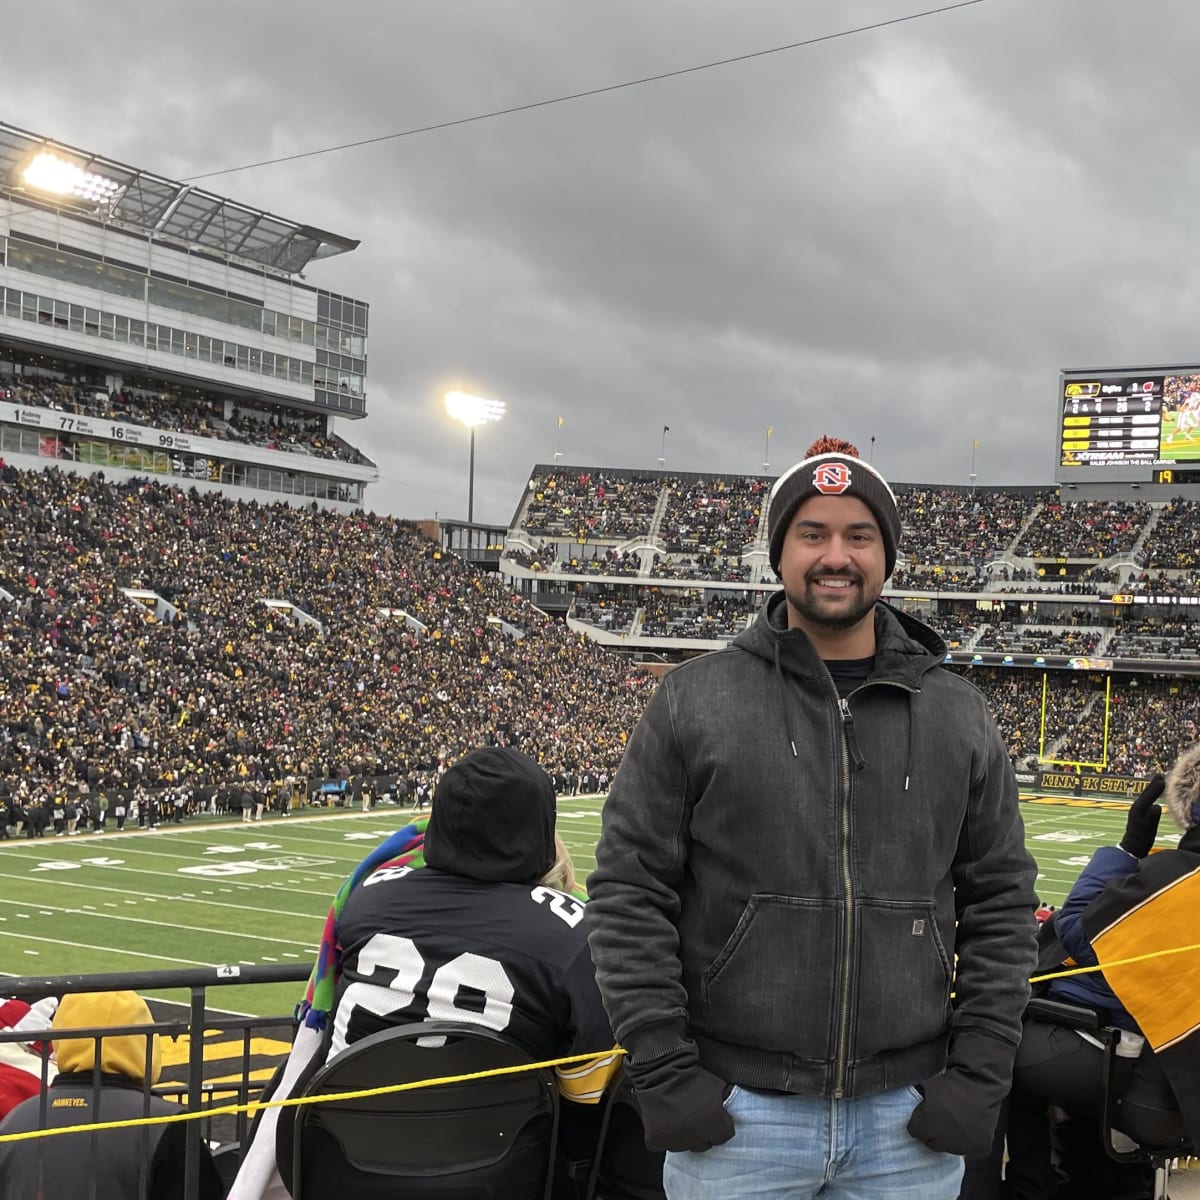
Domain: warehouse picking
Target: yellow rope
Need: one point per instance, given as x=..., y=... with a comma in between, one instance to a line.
x=254, y=1106
x=1117, y=962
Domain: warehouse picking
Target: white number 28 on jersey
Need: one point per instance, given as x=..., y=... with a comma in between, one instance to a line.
x=386, y=952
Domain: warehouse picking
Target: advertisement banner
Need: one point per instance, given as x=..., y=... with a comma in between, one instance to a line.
x=1069, y=783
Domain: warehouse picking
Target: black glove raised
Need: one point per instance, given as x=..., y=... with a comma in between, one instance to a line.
x=682, y=1104
x=961, y=1107
x=1142, y=823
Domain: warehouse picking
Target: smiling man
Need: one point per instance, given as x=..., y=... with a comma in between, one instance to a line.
x=812, y=913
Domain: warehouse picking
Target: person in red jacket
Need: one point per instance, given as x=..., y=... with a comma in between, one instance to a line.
x=21, y=1062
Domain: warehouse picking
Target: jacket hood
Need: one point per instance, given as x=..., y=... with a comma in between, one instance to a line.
x=122, y=1054
x=493, y=818
x=1181, y=797
x=905, y=648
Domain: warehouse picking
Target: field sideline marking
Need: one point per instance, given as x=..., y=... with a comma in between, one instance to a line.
x=57, y=880
x=181, y=879
x=75, y=911
x=27, y=937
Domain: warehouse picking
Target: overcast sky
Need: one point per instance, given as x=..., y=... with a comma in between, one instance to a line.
x=903, y=234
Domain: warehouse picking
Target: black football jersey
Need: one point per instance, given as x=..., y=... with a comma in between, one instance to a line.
x=420, y=944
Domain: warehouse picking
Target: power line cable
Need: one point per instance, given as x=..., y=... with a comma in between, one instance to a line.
x=599, y=91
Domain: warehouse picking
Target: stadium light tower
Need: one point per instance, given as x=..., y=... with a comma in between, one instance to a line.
x=473, y=411
x=49, y=173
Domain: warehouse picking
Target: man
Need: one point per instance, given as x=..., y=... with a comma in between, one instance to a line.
x=94, y=1086
x=806, y=829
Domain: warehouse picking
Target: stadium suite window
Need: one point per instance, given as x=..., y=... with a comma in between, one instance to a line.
x=75, y=268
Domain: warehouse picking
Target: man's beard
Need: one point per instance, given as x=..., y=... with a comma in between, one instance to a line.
x=812, y=611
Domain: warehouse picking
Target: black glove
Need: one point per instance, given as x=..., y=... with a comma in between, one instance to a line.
x=961, y=1107
x=1142, y=823
x=682, y=1105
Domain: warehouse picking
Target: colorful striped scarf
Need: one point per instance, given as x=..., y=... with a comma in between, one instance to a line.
x=405, y=848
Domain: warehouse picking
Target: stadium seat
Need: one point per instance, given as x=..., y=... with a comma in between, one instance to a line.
x=482, y=1138
x=226, y=1158
x=1146, y=1114
x=623, y=1166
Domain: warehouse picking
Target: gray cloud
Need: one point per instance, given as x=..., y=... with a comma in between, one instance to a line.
x=901, y=235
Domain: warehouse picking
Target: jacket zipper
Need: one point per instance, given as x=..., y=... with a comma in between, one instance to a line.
x=843, y=1038
x=850, y=752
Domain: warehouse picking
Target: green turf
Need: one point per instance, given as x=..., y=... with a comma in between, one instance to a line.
x=211, y=894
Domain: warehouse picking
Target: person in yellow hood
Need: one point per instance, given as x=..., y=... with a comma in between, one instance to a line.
x=100, y=1078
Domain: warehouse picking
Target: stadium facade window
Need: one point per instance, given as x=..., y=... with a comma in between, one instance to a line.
x=94, y=322
x=76, y=268
x=86, y=270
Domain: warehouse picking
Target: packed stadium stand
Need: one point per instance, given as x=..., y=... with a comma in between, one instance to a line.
x=157, y=636
x=1022, y=583
x=154, y=635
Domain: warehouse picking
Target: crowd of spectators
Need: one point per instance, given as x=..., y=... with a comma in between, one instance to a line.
x=586, y=506
x=685, y=613
x=955, y=629
x=602, y=561
x=1173, y=544
x=1083, y=529
x=411, y=662
x=1159, y=583
x=263, y=424
x=924, y=577
x=704, y=567
x=713, y=517
x=1008, y=637
x=1155, y=637
x=1015, y=698
x=610, y=614
x=1150, y=721
x=98, y=693
x=957, y=527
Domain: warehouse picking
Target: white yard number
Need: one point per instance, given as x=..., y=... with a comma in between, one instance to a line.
x=386, y=952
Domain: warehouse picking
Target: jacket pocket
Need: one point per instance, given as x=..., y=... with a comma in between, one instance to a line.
x=903, y=977
x=771, y=984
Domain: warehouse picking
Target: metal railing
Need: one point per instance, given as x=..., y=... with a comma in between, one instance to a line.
x=194, y=1093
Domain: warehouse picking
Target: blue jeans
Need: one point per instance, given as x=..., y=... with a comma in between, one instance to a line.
x=804, y=1147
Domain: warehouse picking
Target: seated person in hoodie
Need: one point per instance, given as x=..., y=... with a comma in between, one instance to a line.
x=125, y=1164
x=1118, y=892
x=478, y=935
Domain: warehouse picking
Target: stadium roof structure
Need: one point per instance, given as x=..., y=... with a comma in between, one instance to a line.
x=144, y=203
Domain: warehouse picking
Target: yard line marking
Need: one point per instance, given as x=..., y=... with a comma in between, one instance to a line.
x=187, y=962
x=261, y=937
x=149, y=897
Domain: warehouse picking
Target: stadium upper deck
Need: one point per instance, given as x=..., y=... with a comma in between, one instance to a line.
x=150, y=326
x=1011, y=576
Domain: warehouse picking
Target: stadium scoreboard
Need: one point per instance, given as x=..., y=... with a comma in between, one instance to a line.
x=1129, y=425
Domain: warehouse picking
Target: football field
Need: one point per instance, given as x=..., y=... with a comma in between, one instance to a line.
x=213, y=893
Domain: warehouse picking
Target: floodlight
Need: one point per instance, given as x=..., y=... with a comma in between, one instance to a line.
x=49, y=173
x=473, y=411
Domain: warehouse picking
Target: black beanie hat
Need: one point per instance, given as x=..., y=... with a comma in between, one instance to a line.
x=493, y=818
x=832, y=467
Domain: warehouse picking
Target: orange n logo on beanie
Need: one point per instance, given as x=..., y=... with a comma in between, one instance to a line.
x=831, y=478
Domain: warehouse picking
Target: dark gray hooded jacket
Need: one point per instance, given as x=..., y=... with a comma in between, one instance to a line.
x=786, y=878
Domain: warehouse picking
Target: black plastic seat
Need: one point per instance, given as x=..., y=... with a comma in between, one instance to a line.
x=1145, y=1112
x=492, y=1137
